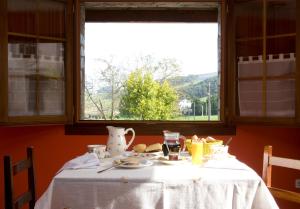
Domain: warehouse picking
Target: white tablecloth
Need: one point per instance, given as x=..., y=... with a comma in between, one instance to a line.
x=222, y=185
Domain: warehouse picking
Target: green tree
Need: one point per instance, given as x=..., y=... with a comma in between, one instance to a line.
x=201, y=105
x=214, y=104
x=146, y=99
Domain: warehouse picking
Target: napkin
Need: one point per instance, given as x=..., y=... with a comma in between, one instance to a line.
x=88, y=160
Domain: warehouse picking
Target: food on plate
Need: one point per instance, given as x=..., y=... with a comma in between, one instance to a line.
x=210, y=139
x=195, y=138
x=154, y=148
x=208, y=145
x=128, y=161
x=162, y=158
x=140, y=148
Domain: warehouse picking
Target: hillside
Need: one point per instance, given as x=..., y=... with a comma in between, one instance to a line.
x=190, y=86
x=195, y=86
x=181, y=81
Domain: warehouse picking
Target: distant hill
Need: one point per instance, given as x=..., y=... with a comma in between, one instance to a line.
x=195, y=86
x=180, y=81
x=188, y=87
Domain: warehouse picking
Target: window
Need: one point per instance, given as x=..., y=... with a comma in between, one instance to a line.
x=36, y=52
x=266, y=67
x=151, y=71
x=144, y=63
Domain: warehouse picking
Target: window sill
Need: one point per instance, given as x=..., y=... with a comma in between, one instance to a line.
x=151, y=128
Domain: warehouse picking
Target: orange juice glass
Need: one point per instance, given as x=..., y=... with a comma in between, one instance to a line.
x=197, y=153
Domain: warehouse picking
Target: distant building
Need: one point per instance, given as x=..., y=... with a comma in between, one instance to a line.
x=185, y=106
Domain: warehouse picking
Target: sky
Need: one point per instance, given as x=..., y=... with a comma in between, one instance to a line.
x=193, y=45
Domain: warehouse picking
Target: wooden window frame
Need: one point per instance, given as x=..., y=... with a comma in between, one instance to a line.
x=233, y=75
x=7, y=120
x=82, y=127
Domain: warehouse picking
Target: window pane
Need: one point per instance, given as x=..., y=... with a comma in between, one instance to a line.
x=52, y=18
x=281, y=17
x=22, y=76
x=22, y=16
x=281, y=63
x=248, y=17
x=250, y=98
x=266, y=62
x=36, y=77
x=281, y=98
x=51, y=82
x=151, y=71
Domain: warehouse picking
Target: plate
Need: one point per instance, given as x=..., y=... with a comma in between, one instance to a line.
x=146, y=154
x=143, y=163
x=165, y=160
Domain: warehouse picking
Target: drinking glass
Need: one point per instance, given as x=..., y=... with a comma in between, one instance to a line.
x=197, y=153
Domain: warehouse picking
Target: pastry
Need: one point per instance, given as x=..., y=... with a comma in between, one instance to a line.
x=154, y=148
x=210, y=139
x=140, y=148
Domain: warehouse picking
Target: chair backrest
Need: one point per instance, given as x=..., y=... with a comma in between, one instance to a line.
x=10, y=170
x=269, y=161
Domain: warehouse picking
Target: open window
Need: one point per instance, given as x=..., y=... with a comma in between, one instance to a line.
x=151, y=66
x=264, y=64
x=36, y=61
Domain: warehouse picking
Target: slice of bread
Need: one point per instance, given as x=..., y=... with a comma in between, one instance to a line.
x=140, y=148
x=130, y=161
x=154, y=148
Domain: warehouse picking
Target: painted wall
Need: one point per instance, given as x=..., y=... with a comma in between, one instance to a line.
x=53, y=149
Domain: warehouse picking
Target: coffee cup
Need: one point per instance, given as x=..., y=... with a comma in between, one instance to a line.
x=98, y=149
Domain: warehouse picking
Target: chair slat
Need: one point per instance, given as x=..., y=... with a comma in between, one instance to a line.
x=21, y=165
x=285, y=194
x=285, y=162
x=9, y=171
x=268, y=161
x=23, y=199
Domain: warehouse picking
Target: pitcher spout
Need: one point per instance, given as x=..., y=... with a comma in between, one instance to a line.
x=109, y=127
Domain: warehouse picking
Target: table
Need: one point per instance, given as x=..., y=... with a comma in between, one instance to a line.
x=183, y=186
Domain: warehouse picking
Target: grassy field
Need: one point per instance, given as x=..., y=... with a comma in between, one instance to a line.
x=179, y=118
x=197, y=118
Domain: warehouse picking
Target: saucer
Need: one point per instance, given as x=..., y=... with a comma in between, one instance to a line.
x=166, y=161
x=146, y=154
x=143, y=163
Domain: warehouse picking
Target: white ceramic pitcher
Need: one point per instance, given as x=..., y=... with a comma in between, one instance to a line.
x=116, y=144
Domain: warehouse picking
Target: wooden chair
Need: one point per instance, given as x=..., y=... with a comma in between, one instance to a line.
x=10, y=170
x=270, y=161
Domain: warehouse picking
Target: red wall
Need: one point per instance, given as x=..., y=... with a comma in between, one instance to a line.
x=53, y=149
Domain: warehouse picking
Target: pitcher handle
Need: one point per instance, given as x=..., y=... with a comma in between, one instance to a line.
x=132, y=138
